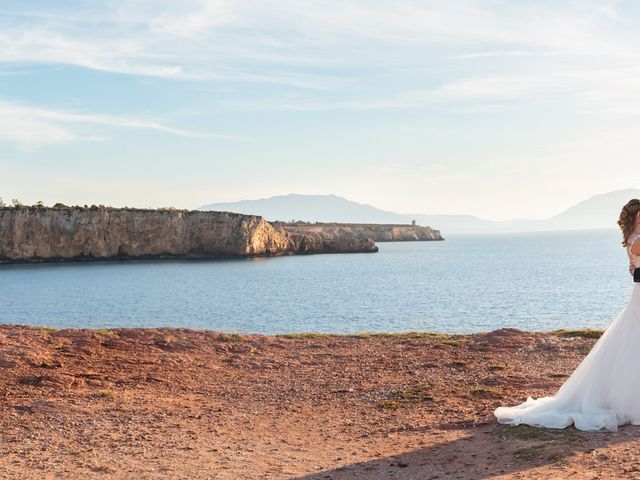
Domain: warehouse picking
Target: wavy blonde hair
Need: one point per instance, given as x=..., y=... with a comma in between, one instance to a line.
x=627, y=221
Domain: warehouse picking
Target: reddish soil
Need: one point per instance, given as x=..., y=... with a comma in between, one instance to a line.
x=185, y=404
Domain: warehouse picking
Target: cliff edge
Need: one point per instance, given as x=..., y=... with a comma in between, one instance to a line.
x=33, y=234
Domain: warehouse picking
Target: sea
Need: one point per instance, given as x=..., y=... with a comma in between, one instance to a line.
x=466, y=283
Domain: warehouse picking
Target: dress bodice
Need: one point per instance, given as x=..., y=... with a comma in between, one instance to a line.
x=634, y=259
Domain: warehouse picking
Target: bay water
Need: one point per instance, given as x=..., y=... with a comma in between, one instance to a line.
x=467, y=283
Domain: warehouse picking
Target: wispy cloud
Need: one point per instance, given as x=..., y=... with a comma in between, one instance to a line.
x=32, y=127
x=595, y=91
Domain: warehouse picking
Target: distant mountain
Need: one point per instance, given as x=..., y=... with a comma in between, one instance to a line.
x=311, y=208
x=599, y=211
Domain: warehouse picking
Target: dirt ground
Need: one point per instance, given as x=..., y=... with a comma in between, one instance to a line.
x=187, y=404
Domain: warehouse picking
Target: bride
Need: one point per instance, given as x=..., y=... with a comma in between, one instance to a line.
x=604, y=390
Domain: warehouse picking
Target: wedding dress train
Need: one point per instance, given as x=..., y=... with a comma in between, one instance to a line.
x=604, y=390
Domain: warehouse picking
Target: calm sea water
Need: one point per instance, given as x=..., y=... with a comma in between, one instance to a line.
x=533, y=281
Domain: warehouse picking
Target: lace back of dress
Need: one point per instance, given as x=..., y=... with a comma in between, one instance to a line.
x=634, y=259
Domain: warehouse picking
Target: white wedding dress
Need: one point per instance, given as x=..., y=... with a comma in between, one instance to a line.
x=604, y=390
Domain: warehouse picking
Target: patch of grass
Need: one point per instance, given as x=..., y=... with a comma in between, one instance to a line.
x=498, y=367
x=584, y=333
x=406, y=397
x=484, y=390
x=106, y=331
x=45, y=331
x=302, y=335
x=529, y=453
x=104, y=394
x=525, y=432
x=453, y=343
x=427, y=335
x=49, y=365
x=231, y=337
x=459, y=363
x=400, y=335
x=370, y=335
x=360, y=335
x=389, y=405
x=558, y=458
x=413, y=395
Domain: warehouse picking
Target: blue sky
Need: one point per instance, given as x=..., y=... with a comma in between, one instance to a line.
x=499, y=109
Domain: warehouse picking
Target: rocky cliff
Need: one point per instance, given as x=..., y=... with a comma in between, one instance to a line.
x=31, y=234
x=374, y=231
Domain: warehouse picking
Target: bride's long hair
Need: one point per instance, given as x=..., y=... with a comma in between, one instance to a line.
x=627, y=220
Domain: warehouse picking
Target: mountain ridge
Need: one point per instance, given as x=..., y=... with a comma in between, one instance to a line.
x=597, y=211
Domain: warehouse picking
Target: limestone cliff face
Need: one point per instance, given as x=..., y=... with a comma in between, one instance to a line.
x=329, y=241
x=375, y=232
x=51, y=234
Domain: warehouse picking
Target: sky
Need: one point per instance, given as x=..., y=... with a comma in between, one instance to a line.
x=499, y=109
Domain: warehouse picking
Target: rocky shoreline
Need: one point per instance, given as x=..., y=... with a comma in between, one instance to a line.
x=375, y=231
x=175, y=403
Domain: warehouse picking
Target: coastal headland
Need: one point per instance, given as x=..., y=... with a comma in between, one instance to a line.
x=61, y=233
x=378, y=232
x=175, y=403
